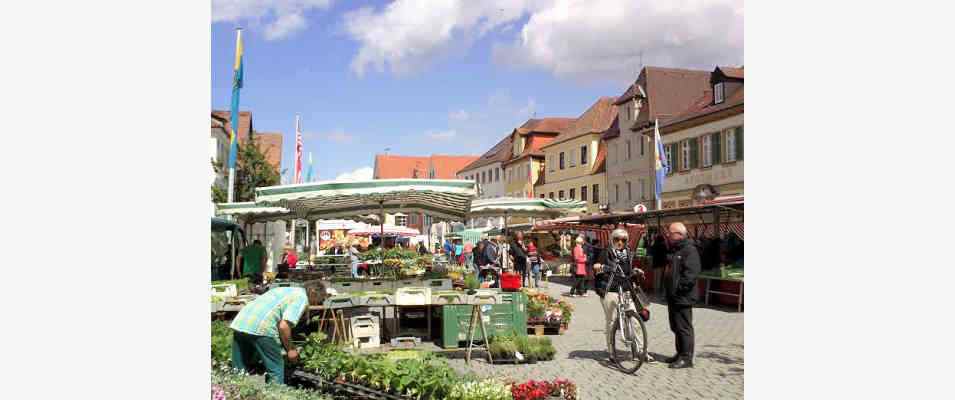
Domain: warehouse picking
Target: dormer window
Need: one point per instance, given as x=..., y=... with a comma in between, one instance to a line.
x=718, y=93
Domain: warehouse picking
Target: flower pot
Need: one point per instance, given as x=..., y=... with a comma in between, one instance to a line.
x=538, y=330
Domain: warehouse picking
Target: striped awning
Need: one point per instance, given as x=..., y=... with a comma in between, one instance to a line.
x=524, y=207
x=440, y=198
x=251, y=211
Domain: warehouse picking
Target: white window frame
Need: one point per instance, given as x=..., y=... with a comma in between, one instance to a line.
x=685, y=155
x=718, y=93
x=560, y=194
x=629, y=151
x=729, y=139
x=707, y=148
x=668, y=150
x=635, y=109
x=401, y=220
x=584, y=155
x=573, y=158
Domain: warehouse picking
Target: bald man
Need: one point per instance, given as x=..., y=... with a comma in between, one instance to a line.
x=679, y=279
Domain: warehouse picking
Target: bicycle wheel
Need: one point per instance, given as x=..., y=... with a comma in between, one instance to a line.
x=629, y=346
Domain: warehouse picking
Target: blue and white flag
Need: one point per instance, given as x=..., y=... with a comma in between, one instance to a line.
x=662, y=166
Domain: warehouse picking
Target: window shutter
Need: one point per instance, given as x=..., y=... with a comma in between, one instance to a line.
x=715, y=143
x=739, y=143
x=694, y=153
x=674, y=156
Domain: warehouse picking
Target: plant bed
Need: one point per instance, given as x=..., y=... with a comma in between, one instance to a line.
x=352, y=390
x=504, y=349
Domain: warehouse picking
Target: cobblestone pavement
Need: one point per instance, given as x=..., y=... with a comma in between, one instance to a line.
x=582, y=354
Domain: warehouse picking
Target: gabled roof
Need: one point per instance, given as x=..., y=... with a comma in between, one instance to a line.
x=245, y=122
x=668, y=92
x=396, y=167
x=613, y=131
x=731, y=72
x=270, y=144
x=704, y=106
x=545, y=125
x=499, y=153
x=596, y=119
x=600, y=164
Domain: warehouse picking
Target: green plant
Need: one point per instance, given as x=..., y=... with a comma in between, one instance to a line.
x=233, y=385
x=471, y=281
x=221, y=342
x=488, y=389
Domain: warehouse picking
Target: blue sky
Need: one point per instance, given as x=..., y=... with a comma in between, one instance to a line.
x=425, y=77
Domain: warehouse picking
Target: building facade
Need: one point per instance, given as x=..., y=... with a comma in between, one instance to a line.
x=523, y=170
x=657, y=94
x=488, y=173
x=575, y=161
x=705, y=143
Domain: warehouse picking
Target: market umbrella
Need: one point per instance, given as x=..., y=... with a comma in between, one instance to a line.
x=250, y=211
x=523, y=207
x=441, y=198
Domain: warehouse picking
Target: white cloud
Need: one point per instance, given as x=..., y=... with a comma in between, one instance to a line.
x=602, y=39
x=281, y=18
x=571, y=39
x=408, y=35
x=442, y=135
x=360, y=174
x=459, y=115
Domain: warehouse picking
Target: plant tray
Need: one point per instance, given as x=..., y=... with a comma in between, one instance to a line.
x=353, y=390
x=549, y=330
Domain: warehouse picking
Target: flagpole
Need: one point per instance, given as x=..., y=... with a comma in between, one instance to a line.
x=235, y=117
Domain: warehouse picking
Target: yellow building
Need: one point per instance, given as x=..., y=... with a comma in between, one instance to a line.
x=523, y=169
x=575, y=161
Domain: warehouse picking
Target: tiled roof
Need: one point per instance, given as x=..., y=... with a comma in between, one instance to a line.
x=613, y=131
x=270, y=144
x=704, y=106
x=245, y=122
x=732, y=72
x=394, y=166
x=668, y=92
x=547, y=125
x=499, y=153
x=596, y=119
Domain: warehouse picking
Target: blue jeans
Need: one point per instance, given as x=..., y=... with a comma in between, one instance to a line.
x=354, y=269
x=536, y=273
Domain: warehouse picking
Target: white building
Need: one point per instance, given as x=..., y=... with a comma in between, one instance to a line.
x=487, y=172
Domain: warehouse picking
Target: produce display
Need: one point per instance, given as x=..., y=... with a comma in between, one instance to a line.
x=545, y=310
x=230, y=385
x=532, y=349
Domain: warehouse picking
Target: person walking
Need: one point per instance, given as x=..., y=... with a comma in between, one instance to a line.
x=679, y=278
x=468, y=254
x=589, y=251
x=580, y=268
x=534, y=259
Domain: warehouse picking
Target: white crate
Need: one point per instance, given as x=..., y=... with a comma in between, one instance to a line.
x=225, y=290
x=442, y=298
x=378, y=285
x=217, y=304
x=346, y=287
x=413, y=296
x=369, y=342
x=376, y=299
x=410, y=282
x=438, y=284
x=365, y=326
x=485, y=296
x=335, y=302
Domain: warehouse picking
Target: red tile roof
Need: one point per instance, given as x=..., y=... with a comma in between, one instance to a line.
x=668, y=92
x=270, y=144
x=704, y=106
x=545, y=125
x=245, y=122
x=596, y=119
x=395, y=166
x=600, y=164
x=731, y=72
x=613, y=131
x=499, y=153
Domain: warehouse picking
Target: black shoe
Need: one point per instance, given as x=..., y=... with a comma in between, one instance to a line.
x=682, y=363
x=671, y=360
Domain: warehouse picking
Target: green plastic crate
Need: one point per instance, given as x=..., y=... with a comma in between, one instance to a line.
x=500, y=319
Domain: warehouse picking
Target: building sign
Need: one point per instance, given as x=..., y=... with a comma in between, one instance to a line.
x=639, y=208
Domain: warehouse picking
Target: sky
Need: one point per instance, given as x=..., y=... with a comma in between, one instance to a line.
x=420, y=77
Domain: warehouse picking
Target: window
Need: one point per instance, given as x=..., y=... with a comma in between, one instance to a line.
x=560, y=194
x=583, y=155
x=668, y=149
x=401, y=220
x=497, y=175
x=573, y=194
x=573, y=158
x=413, y=219
x=431, y=173
x=643, y=141
x=628, y=150
x=550, y=163
x=551, y=195
x=616, y=193
x=583, y=193
x=562, y=160
x=635, y=109
x=684, y=155
x=542, y=195
x=707, y=150
x=629, y=192
x=596, y=198
x=718, y=93
x=643, y=193
x=730, y=145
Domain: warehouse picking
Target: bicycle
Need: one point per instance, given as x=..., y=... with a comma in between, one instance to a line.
x=632, y=342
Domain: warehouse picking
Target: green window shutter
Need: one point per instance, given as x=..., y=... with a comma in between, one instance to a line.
x=694, y=153
x=739, y=143
x=715, y=143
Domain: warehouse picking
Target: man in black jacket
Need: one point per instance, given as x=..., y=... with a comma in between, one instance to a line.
x=519, y=254
x=679, y=278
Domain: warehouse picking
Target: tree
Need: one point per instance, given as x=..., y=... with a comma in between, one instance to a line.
x=252, y=170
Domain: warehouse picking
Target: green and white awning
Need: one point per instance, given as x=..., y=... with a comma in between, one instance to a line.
x=523, y=207
x=439, y=198
x=251, y=211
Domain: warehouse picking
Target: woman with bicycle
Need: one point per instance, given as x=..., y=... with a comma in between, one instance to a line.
x=626, y=336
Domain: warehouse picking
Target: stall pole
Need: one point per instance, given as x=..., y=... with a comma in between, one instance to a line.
x=308, y=243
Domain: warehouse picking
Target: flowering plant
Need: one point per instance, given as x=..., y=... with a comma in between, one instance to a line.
x=531, y=390
x=488, y=389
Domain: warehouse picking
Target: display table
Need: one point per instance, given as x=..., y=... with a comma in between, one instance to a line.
x=709, y=277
